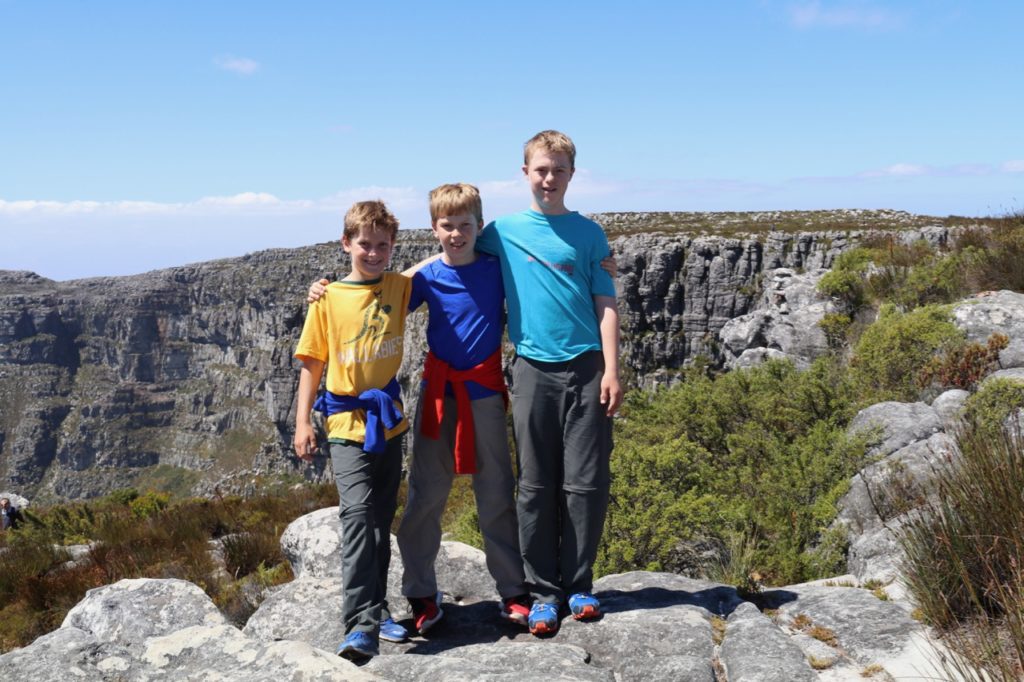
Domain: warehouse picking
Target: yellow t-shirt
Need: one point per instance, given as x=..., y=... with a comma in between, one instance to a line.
x=356, y=328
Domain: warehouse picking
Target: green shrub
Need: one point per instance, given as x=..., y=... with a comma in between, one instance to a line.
x=836, y=327
x=993, y=403
x=149, y=504
x=759, y=454
x=891, y=352
x=845, y=281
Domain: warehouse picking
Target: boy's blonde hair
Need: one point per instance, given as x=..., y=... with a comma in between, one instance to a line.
x=551, y=141
x=373, y=215
x=455, y=198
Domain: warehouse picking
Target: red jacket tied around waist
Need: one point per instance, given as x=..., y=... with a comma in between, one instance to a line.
x=437, y=373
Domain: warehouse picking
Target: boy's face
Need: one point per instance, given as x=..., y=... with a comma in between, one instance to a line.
x=549, y=174
x=370, y=251
x=457, y=234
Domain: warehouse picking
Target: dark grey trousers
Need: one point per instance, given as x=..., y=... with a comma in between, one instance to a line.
x=367, y=489
x=430, y=480
x=563, y=444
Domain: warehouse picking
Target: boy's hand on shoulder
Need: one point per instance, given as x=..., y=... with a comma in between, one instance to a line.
x=611, y=393
x=305, y=442
x=316, y=290
x=609, y=265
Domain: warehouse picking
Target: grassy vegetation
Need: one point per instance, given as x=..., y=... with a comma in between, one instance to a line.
x=147, y=535
x=964, y=552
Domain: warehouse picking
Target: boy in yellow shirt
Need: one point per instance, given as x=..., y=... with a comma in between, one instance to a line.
x=356, y=330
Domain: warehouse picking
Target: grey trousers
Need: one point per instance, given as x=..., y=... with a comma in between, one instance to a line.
x=430, y=480
x=563, y=443
x=367, y=489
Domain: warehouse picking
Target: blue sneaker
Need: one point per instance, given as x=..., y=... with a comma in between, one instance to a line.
x=584, y=606
x=358, y=646
x=543, y=619
x=390, y=631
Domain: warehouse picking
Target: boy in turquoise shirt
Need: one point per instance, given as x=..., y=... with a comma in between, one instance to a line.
x=564, y=323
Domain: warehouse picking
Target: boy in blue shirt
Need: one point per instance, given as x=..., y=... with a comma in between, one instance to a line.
x=564, y=323
x=460, y=419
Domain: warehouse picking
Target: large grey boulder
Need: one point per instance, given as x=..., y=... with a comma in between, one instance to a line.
x=1011, y=374
x=879, y=499
x=893, y=425
x=306, y=609
x=133, y=610
x=312, y=544
x=1000, y=311
x=756, y=650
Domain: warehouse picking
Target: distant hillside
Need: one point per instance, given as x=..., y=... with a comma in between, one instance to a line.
x=182, y=379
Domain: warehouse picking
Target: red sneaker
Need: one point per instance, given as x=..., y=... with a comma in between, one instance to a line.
x=426, y=611
x=516, y=609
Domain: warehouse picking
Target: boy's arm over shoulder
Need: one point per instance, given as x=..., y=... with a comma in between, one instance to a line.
x=602, y=265
x=409, y=272
x=608, y=323
x=488, y=240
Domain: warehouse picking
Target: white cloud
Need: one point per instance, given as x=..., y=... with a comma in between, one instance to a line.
x=240, y=65
x=1015, y=166
x=898, y=169
x=245, y=203
x=845, y=15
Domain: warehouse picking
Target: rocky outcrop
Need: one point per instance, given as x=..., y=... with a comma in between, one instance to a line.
x=656, y=626
x=910, y=442
x=182, y=379
x=784, y=324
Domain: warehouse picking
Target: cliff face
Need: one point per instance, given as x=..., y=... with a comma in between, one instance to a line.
x=182, y=379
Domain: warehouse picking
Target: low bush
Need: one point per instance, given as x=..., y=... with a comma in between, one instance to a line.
x=892, y=352
x=964, y=364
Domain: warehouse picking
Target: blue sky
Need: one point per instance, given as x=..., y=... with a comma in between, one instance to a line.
x=137, y=135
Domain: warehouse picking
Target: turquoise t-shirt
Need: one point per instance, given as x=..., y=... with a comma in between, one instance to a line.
x=551, y=265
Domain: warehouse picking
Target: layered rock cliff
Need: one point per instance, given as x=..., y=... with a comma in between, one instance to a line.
x=182, y=379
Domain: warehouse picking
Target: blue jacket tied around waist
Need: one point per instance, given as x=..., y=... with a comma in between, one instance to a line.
x=379, y=404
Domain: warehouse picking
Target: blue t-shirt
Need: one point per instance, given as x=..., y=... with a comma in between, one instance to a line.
x=465, y=303
x=551, y=265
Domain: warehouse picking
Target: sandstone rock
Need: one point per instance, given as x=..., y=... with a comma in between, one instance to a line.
x=989, y=312
x=68, y=653
x=130, y=611
x=879, y=498
x=1012, y=374
x=500, y=661
x=894, y=425
x=312, y=544
x=867, y=629
x=949, y=406
x=222, y=652
x=755, y=650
